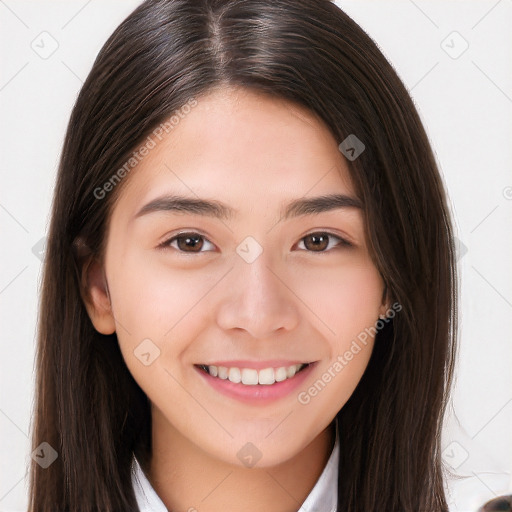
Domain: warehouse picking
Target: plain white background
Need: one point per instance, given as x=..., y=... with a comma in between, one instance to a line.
x=453, y=56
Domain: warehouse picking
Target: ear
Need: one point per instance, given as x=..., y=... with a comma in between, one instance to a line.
x=96, y=297
x=385, y=305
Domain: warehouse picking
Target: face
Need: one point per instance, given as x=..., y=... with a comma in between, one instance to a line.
x=255, y=282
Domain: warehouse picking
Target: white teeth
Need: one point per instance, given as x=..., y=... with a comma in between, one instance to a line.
x=266, y=376
x=280, y=374
x=249, y=376
x=234, y=375
x=252, y=377
x=291, y=370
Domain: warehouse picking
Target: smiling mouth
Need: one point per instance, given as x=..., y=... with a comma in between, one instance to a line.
x=251, y=376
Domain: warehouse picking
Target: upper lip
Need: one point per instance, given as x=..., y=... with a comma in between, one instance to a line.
x=257, y=365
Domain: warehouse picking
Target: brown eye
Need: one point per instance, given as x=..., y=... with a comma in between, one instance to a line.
x=316, y=242
x=187, y=242
x=319, y=242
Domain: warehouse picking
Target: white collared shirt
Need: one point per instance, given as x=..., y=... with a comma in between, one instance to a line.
x=322, y=498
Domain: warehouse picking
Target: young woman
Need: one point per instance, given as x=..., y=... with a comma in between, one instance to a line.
x=249, y=296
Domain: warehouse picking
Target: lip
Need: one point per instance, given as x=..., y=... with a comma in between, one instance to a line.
x=258, y=394
x=256, y=365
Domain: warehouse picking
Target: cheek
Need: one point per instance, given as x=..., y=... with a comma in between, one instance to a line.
x=348, y=306
x=149, y=297
x=347, y=301
x=159, y=312
x=159, y=303
x=345, y=298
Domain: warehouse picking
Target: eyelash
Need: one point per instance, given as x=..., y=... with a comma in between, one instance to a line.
x=167, y=243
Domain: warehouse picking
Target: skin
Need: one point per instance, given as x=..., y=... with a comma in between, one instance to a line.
x=255, y=154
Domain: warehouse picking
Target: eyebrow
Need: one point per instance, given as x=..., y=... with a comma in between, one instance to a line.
x=219, y=210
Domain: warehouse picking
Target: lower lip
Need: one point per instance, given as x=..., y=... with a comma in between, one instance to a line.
x=259, y=394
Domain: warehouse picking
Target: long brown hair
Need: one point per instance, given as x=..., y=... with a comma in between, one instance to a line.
x=88, y=406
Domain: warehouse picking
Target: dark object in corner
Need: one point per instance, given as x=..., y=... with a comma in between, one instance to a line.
x=501, y=504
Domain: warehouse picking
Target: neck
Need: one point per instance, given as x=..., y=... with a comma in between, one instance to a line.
x=188, y=479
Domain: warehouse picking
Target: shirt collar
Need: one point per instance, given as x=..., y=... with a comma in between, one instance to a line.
x=322, y=498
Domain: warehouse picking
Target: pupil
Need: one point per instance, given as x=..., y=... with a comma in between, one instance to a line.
x=319, y=241
x=190, y=242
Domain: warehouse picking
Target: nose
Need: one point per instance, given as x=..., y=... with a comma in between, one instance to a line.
x=258, y=299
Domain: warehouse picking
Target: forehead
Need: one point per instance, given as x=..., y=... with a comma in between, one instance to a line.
x=244, y=148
